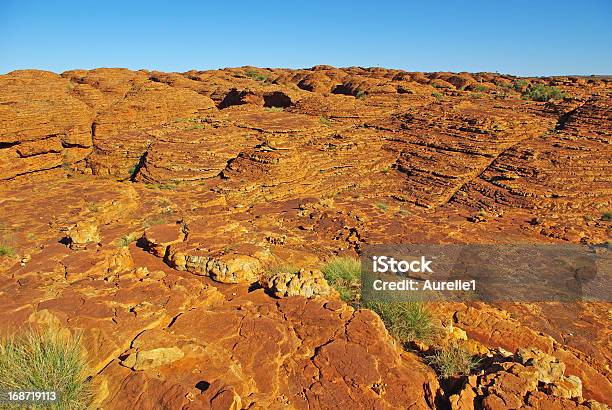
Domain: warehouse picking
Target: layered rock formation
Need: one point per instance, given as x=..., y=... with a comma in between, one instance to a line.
x=148, y=209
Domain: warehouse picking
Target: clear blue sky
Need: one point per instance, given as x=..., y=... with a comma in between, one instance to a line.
x=518, y=37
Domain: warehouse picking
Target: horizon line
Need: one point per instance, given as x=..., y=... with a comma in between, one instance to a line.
x=309, y=68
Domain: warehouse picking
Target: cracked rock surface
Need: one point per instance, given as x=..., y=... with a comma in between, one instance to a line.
x=145, y=209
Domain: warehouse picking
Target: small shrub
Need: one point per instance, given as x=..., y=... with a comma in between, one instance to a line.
x=361, y=94
x=406, y=321
x=520, y=85
x=46, y=361
x=274, y=109
x=480, y=88
x=382, y=206
x=92, y=206
x=607, y=216
x=453, y=361
x=126, y=240
x=543, y=93
x=437, y=95
x=255, y=75
x=344, y=274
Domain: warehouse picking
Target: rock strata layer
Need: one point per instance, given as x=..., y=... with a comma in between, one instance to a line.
x=158, y=214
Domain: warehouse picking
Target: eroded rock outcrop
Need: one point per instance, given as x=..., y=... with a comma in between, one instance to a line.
x=305, y=282
x=183, y=188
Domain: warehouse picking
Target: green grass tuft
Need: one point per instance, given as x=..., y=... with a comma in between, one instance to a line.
x=133, y=170
x=453, y=361
x=46, y=361
x=126, y=240
x=437, y=95
x=6, y=250
x=406, y=321
x=7, y=242
x=382, y=206
x=344, y=274
x=607, y=216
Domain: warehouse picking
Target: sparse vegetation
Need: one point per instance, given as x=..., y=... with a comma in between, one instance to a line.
x=454, y=360
x=480, y=88
x=195, y=127
x=158, y=219
x=406, y=321
x=92, y=206
x=126, y=240
x=7, y=242
x=325, y=121
x=6, y=251
x=344, y=274
x=520, y=85
x=361, y=94
x=543, y=93
x=163, y=186
x=382, y=206
x=274, y=109
x=255, y=75
x=46, y=361
x=133, y=170
x=188, y=119
x=607, y=216
x=437, y=95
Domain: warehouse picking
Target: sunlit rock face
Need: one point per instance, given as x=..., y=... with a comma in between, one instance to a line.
x=148, y=209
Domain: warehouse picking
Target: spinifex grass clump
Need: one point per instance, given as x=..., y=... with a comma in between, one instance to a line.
x=344, y=274
x=7, y=242
x=6, y=251
x=406, y=321
x=46, y=361
x=453, y=361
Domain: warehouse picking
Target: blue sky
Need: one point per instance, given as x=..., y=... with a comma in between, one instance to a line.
x=517, y=37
